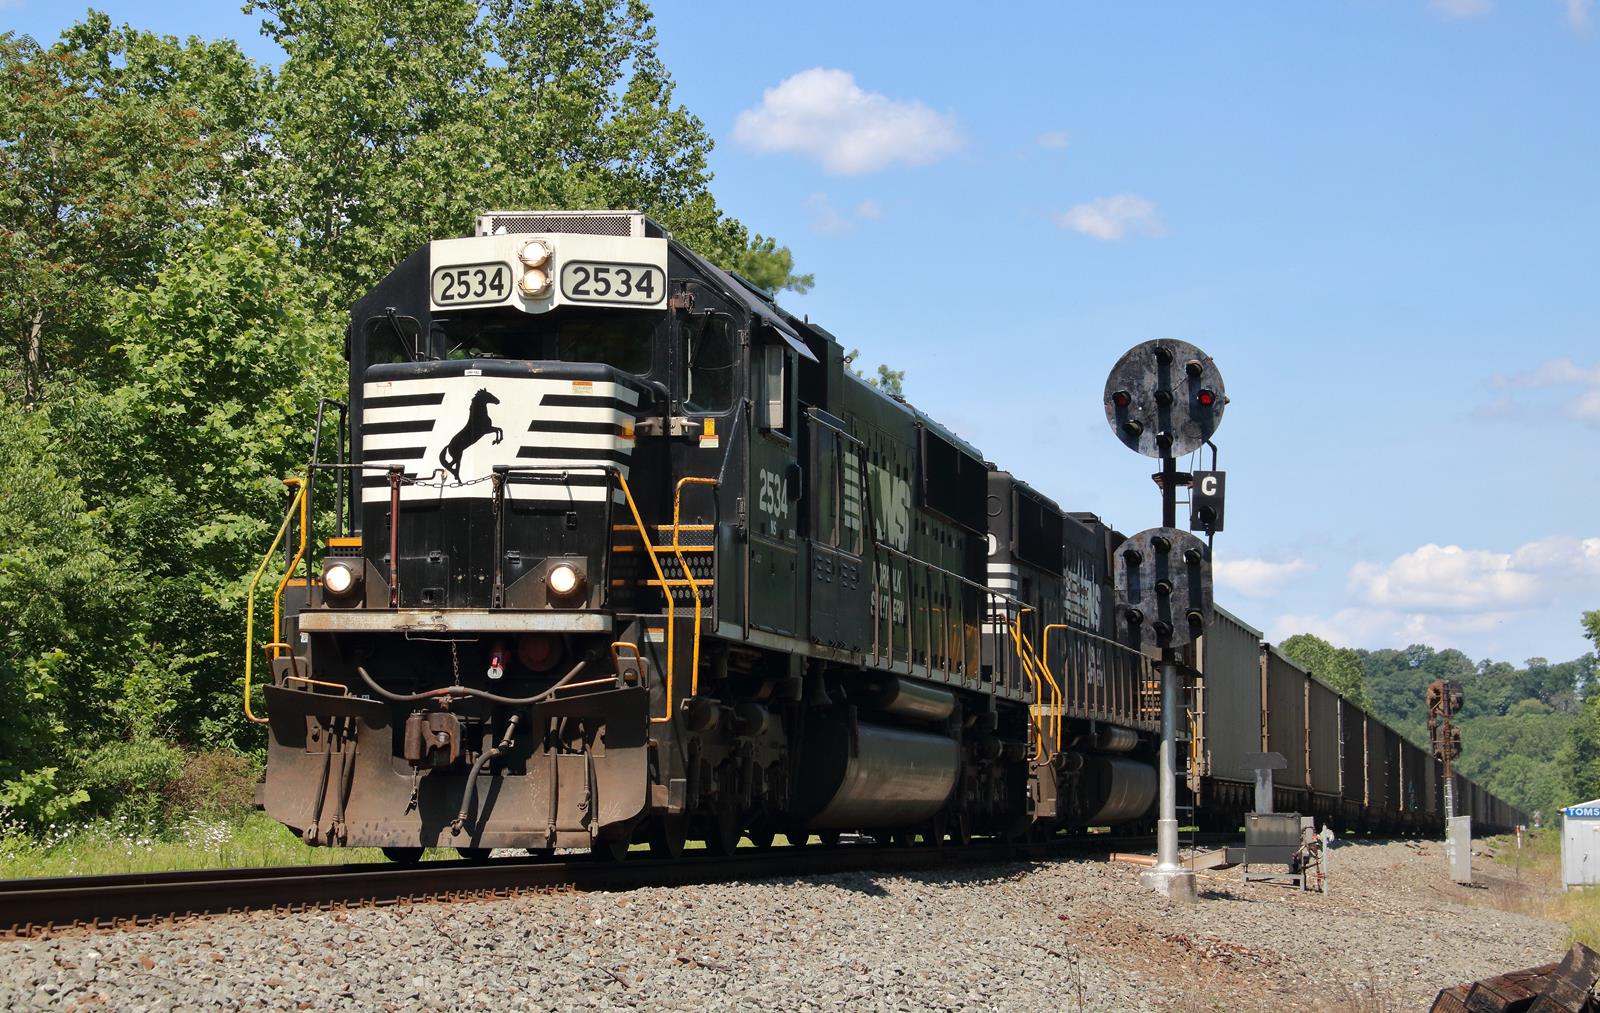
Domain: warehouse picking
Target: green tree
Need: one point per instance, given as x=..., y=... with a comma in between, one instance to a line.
x=100, y=181
x=181, y=232
x=890, y=381
x=393, y=124
x=1339, y=667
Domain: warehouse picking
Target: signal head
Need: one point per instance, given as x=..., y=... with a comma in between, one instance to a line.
x=1159, y=411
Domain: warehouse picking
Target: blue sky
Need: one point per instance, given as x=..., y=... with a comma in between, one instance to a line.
x=1379, y=216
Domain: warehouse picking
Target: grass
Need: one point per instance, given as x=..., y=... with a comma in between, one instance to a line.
x=1538, y=865
x=250, y=840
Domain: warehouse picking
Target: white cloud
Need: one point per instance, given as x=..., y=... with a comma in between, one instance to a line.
x=1584, y=405
x=1257, y=578
x=1578, y=13
x=1113, y=217
x=1371, y=628
x=825, y=218
x=823, y=114
x=1444, y=594
x=829, y=220
x=1052, y=140
x=1462, y=8
x=1447, y=579
x=1551, y=373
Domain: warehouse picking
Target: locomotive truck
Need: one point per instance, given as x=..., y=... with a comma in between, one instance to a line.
x=621, y=551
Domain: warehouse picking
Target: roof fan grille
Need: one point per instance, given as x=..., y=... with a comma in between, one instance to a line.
x=623, y=224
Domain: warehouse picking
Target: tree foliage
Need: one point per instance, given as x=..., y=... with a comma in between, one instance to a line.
x=181, y=231
x=1339, y=667
x=1520, y=726
x=890, y=381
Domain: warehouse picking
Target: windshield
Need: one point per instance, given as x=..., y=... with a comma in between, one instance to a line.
x=620, y=338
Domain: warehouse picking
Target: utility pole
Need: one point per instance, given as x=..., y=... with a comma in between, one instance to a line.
x=1165, y=399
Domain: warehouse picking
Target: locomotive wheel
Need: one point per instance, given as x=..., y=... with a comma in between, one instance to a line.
x=475, y=855
x=961, y=831
x=403, y=856
x=723, y=832
x=667, y=836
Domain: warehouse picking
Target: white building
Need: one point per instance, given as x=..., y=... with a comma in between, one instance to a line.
x=1580, y=844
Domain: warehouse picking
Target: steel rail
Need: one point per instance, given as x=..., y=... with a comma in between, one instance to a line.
x=33, y=907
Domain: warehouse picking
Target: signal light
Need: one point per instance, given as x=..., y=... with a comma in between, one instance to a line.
x=1207, y=397
x=1163, y=628
x=1134, y=617
x=1163, y=397
x=1192, y=557
x=1133, y=427
x=1163, y=587
x=1163, y=354
x=1193, y=367
x=1122, y=399
x=1134, y=557
x=1161, y=543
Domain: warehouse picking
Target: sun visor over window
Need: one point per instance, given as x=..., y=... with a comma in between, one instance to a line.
x=759, y=307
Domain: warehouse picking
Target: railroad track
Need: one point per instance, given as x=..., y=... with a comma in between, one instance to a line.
x=33, y=907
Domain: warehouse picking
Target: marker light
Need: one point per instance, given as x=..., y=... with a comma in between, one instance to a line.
x=1207, y=397
x=535, y=253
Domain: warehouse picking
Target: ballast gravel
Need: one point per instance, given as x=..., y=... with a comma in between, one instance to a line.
x=1068, y=935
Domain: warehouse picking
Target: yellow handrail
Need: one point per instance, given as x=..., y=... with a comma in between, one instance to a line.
x=1025, y=657
x=300, y=553
x=677, y=550
x=1025, y=649
x=297, y=503
x=655, y=564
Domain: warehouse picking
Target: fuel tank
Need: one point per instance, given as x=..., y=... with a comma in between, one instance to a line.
x=862, y=776
x=1115, y=789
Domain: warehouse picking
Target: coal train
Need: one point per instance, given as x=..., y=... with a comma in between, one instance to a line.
x=619, y=551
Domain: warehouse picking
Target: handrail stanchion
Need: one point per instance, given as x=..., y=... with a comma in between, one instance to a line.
x=250, y=604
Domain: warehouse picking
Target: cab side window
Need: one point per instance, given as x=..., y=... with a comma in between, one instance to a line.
x=773, y=408
x=709, y=359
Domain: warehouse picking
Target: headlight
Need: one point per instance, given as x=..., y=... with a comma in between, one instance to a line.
x=338, y=579
x=562, y=579
x=535, y=253
x=565, y=584
x=534, y=282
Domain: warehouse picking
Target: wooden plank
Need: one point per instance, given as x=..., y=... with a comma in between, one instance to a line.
x=1567, y=989
x=1452, y=1000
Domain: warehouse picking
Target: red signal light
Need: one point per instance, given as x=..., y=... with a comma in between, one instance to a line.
x=1121, y=399
x=1207, y=397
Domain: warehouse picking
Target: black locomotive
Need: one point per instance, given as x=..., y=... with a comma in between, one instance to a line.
x=624, y=552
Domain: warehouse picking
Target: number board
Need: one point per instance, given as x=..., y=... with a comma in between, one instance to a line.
x=471, y=284
x=627, y=284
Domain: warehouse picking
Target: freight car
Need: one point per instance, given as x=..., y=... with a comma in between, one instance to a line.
x=621, y=551
x=1343, y=765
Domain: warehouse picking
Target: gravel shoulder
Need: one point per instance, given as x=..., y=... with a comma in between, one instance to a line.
x=1071, y=935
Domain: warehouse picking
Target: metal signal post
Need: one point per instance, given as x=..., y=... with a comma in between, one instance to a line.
x=1163, y=399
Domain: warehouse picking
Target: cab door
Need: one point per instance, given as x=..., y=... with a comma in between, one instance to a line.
x=838, y=595
x=776, y=491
